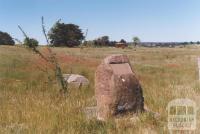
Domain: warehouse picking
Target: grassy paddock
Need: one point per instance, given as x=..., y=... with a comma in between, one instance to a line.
x=29, y=103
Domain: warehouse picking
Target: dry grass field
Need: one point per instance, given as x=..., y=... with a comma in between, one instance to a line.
x=30, y=104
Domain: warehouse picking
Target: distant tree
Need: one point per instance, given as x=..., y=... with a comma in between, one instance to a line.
x=31, y=42
x=198, y=42
x=136, y=41
x=191, y=42
x=89, y=43
x=122, y=41
x=184, y=43
x=105, y=38
x=102, y=41
x=6, y=39
x=112, y=43
x=62, y=34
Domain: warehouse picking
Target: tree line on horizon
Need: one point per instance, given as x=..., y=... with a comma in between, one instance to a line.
x=70, y=35
x=64, y=35
x=60, y=34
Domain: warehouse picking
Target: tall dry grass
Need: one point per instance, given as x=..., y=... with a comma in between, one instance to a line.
x=30, y=104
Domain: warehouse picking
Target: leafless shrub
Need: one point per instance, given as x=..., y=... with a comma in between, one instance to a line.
x=51, y=59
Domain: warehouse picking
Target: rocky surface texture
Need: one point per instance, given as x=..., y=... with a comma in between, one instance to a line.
x=117, y=89
x=76, y=80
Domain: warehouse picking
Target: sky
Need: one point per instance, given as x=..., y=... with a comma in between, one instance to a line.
x=150, y=20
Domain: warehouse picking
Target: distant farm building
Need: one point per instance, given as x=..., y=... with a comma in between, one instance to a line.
x=121, y=45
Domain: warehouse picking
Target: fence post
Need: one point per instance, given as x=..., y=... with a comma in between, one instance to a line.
x=199, y=67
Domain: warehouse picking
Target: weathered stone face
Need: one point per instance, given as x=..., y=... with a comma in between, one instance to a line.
x=117, y=89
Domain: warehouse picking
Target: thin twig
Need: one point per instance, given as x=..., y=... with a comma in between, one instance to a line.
x=59, y=75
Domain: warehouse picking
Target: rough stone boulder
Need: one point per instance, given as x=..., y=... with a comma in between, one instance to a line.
x=76, y=79
x=117, y=89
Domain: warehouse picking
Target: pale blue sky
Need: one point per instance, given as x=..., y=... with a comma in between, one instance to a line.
x=151, y=20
